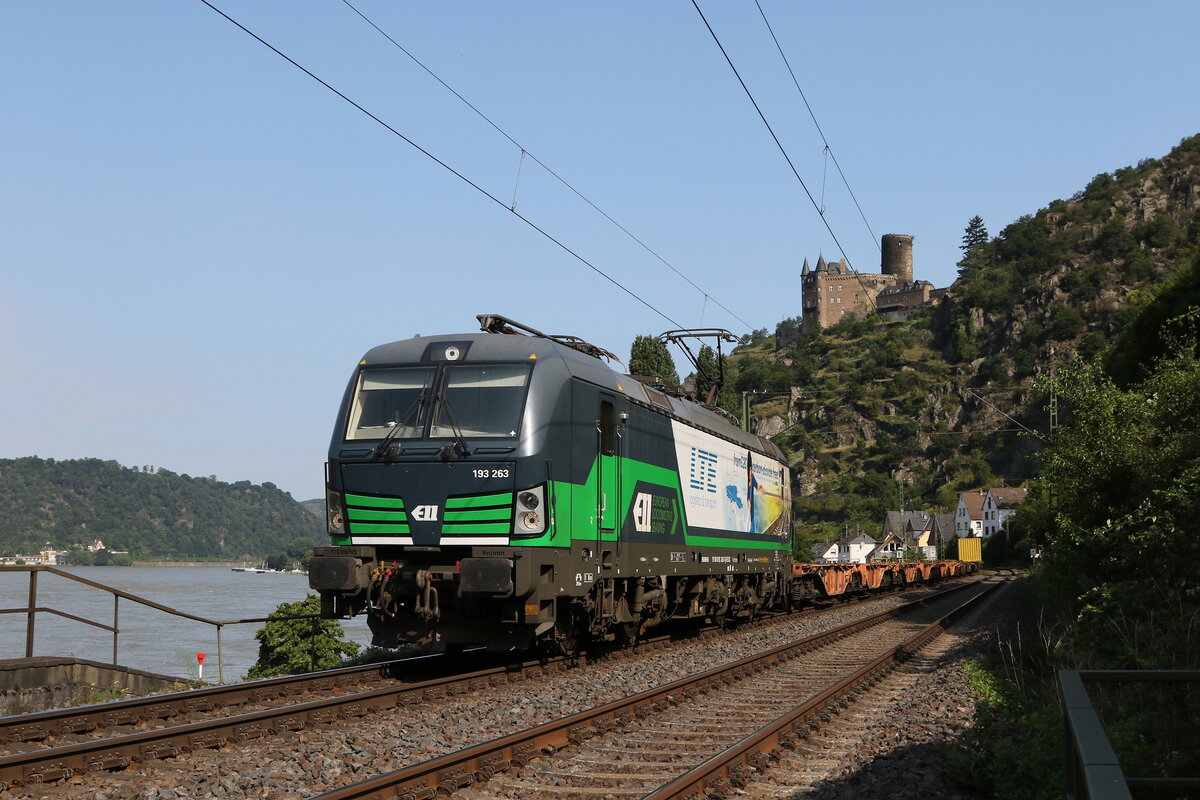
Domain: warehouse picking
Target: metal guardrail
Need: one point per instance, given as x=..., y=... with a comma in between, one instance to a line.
x=1093, y=771
x=33, y=609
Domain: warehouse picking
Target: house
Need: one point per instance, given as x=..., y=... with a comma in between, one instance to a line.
x=855, y=549
x=892, y=548
x=998, y=506
x=904, y=522
x=47, y=557
x=918, y=530
x=968, y=518
x=825, y=553
x=941, y=533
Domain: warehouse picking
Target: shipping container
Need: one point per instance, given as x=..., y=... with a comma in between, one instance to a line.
x=970, y=549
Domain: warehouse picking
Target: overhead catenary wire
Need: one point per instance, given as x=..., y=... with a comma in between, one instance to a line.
x=442, y=164
x=828, y=149
x=525, y=152
x=779, y=144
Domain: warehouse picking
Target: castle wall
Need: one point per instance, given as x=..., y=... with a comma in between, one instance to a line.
x=905, y=296
x=830, y=298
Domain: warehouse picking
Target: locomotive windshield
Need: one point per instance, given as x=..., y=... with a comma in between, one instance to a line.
x=391, y=399
x=475, y=400
x=480, y=400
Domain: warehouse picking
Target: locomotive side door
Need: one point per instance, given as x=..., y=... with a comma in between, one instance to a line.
x=608, y=499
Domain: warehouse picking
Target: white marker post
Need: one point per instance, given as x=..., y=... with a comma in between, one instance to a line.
x=200, y=667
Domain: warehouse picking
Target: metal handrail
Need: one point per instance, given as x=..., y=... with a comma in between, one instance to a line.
x=1093, y=771
x=33, y=609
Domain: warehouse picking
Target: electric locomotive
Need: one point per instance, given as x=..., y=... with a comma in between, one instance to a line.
x=512, y=491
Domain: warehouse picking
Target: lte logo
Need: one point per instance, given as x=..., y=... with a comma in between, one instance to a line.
x=425, y=513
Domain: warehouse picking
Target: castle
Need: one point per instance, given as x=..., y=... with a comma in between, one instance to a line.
x=832, y=291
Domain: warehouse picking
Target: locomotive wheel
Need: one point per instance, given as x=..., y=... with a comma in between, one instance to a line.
x=720, y=614
x=571, y=633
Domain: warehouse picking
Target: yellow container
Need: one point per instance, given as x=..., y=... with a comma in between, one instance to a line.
x=970, y=549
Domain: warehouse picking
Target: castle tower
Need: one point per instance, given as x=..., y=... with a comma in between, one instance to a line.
x=898, y=256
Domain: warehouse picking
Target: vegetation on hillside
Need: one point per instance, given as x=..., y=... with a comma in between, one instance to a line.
x=876, y=414
x=1094, y=301
x=1116, y=516
x=150, y=513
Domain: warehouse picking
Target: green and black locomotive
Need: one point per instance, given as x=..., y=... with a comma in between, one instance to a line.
x=511, y=491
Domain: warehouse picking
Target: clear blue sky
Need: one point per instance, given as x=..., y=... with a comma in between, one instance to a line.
x=199, y=241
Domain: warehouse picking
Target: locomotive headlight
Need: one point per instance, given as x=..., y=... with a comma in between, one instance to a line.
x=527, y=519
x=335, y=513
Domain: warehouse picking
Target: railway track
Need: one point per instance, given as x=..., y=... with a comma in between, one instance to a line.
x=700, y=735
x=437, y=676
x=52, y=746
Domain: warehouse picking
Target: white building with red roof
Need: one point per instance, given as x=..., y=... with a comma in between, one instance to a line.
x=968, y=518
x=998, y=506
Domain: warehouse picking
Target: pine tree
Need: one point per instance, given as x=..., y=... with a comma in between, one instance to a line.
x=975, y=247
x=649, y=356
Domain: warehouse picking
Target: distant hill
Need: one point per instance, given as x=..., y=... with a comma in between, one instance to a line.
x=315, y=507
x=156, y=514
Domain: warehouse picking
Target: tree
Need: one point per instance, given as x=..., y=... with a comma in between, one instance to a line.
x=1167, y=313
x=709, y=371
x=649, y=356
x=974, y=247
x=1122, y=547
x=1065, y=322
x=292, y=646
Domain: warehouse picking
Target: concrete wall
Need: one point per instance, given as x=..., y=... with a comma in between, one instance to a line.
x=28, y=685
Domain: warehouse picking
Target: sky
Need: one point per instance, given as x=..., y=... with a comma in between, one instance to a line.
x=198, y=241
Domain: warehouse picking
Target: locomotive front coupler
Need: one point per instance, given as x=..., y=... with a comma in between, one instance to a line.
x=427, y=606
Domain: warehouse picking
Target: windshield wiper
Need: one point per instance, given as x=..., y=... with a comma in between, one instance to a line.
x=417, y=406
x=459, y=445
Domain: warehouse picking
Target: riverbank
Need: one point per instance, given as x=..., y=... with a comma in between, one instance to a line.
x=191, y=564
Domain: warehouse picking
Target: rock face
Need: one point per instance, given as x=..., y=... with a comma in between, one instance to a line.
x=771, y=426
x=953, y=395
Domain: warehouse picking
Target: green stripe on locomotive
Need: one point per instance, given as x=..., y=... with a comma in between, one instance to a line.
x=478, y=514
x=479, y=501
x=575, y=511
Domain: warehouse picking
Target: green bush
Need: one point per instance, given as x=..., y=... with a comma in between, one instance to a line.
x=1015, y=747
x=294, y=646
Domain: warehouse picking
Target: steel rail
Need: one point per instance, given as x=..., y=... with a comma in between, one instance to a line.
x=721, y=774
x=56, y=763
x=454, y=771
x=42, y=725
x=80, y=719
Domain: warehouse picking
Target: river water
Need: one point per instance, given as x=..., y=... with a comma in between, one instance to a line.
x=151, y=639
